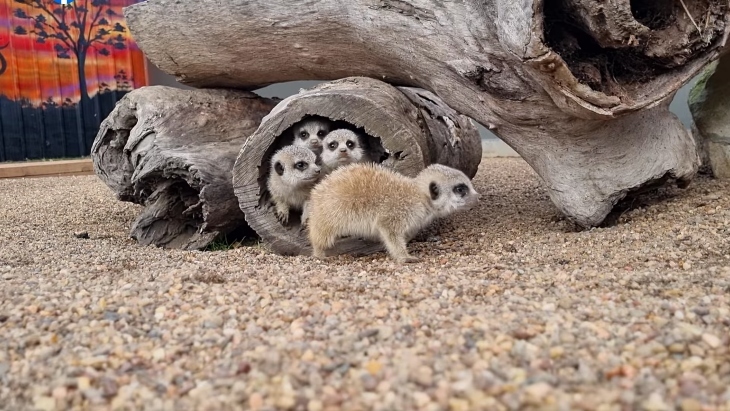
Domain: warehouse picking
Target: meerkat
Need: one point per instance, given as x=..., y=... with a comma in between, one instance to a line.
x=310, y=133
x=376, y=203
x=293, y=174
x=342, y=147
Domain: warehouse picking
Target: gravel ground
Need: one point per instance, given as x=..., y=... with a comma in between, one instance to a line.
x=512, y=308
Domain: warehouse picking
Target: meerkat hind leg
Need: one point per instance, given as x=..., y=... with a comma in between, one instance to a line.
x=396, y=246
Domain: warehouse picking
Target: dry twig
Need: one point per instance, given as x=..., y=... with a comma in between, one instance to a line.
x=684, y=6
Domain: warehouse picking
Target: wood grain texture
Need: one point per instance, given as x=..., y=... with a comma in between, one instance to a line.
x=507, y=64
x=172, y=151
x=414, y=127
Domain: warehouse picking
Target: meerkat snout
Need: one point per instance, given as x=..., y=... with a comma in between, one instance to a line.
x=374, y=202
x=310, y=133
x=342, y=147
x=294, y=171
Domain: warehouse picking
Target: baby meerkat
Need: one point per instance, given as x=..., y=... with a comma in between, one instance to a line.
x=374, y=202
x=342, y=147
x=293, y=174
x=310, y=133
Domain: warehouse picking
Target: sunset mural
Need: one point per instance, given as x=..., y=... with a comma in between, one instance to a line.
x=57, y=58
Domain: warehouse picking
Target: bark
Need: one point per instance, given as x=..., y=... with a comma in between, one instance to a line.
x=412, y=126
x=524, y=69
x=709, y=103
x=172, y=151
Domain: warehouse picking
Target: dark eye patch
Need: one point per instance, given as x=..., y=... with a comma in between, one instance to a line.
x=461, y=190
x=279, y=168
x=304, y=135
x=332, y=145
x=350, y=144
x=321, y=133
x=433, y=188
x=301, y=165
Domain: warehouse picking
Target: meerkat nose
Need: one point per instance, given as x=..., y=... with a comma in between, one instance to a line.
x=342, y=150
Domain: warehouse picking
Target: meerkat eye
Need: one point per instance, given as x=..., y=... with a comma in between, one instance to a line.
x=350, y=144
x=461, y=190
x=303, y=134
x=332, y=145
x=321, y=133
x=434, y=189
x=301, y=165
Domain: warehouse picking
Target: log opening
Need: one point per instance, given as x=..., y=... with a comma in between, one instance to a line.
x=617, y=47
x=372, y=146
x=405, y=129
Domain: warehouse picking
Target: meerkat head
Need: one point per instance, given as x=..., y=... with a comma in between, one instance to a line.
x=450, y=190
x=295, y=166
x=342, y=147
x=310, y=133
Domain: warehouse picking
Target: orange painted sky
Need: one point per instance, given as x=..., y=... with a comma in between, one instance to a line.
x=35, y=72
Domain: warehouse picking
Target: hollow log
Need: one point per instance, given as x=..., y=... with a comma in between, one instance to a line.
x=709, y=103
x=541, y=74
x=172, y=151
x=407, y=129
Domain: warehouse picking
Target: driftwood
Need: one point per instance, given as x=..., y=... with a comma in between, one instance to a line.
x=709, y=103
x=172, y=151
x=579, y=88
x=409, y=128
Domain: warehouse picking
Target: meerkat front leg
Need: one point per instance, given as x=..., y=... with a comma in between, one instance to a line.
x=305, y=214
x=396, y=246
x=282, y=212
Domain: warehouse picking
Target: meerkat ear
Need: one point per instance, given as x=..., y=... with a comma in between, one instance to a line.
x=434, y=189
x=279, y=168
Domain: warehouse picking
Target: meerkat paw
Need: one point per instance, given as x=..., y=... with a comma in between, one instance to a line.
x=409, y=259
x=319, y=254
x=283, y=217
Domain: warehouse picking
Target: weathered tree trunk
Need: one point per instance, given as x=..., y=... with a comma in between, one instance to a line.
x=709, y=103
x=585, y=104
x=172, y=151
x=411, y=128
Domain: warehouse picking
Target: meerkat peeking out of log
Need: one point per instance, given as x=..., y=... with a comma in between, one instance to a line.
x=376, y=203
x=342, y=147
x=310, y=132
x=294, y=171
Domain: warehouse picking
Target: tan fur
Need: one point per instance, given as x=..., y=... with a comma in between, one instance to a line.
x=309, y=133
x=342, y=147
x=371, y=201
x=291, y=189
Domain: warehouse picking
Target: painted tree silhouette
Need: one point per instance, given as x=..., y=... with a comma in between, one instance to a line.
x=77, y=27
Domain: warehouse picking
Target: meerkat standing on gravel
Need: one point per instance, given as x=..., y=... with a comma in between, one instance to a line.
x=293, y=174
x=371, y=201
x=310, y=133
x=342, y=147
